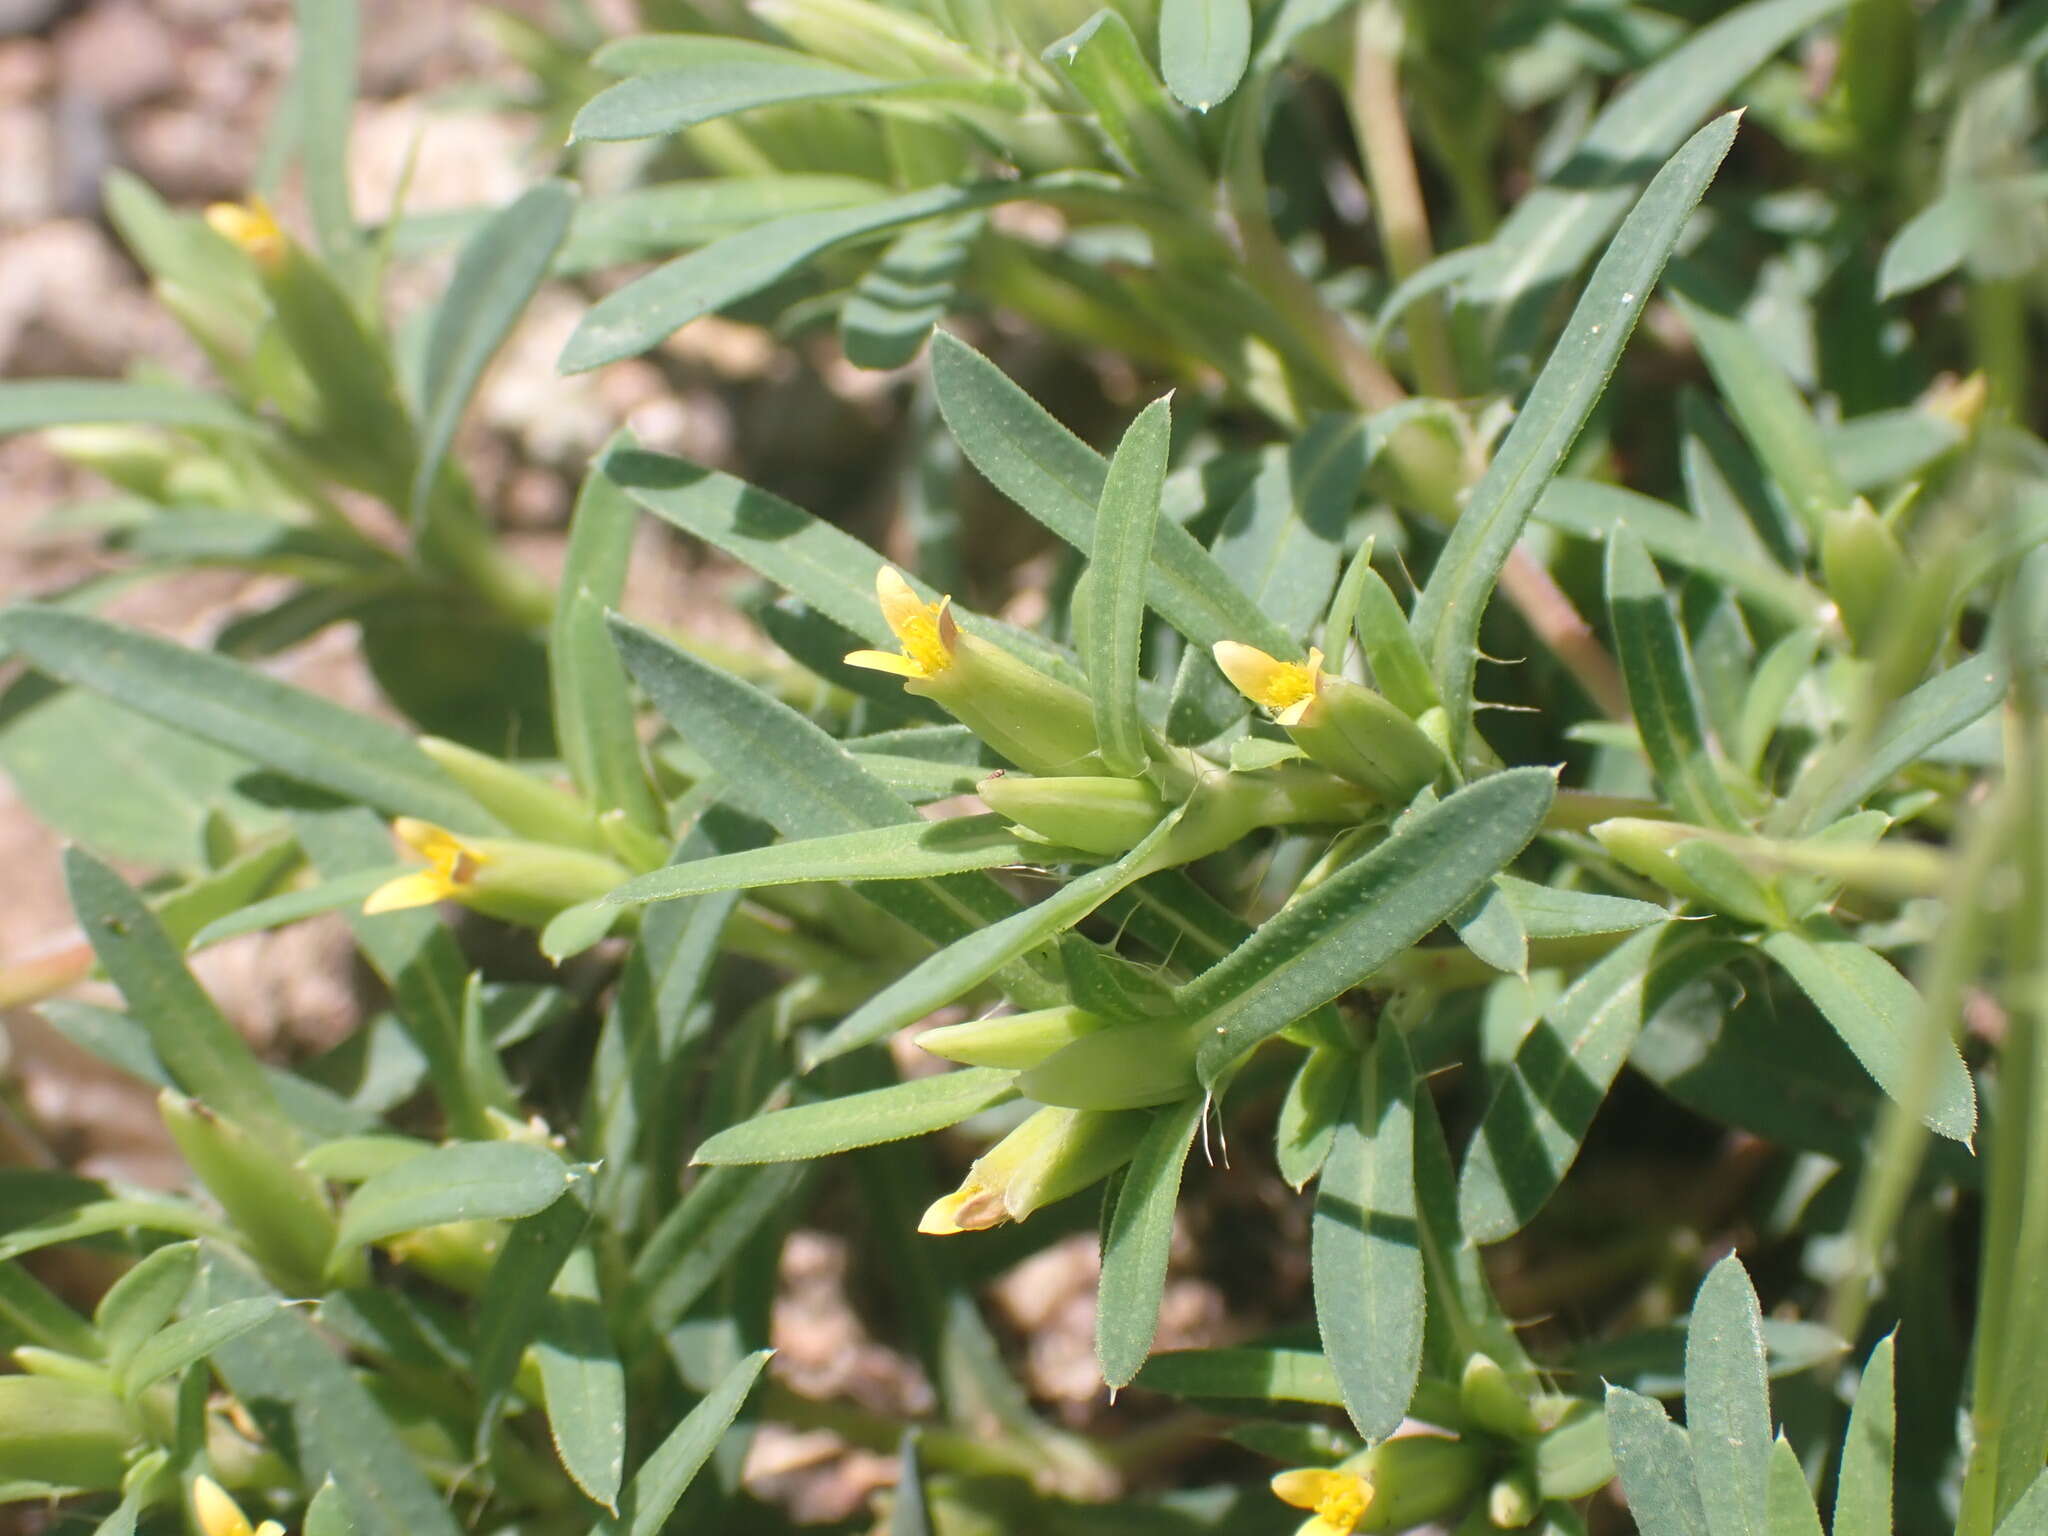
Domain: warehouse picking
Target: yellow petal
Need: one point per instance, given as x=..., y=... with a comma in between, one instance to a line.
x=1266, y=680
x=898, y=599
x=1303, y=1487
x=216, y=1511
x=1339, y=1498
x=427, y=840
x=422, y=888
x=252, y=227
x=883, y=661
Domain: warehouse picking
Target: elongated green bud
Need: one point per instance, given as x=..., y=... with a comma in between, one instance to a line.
x=631, y=843
x=1342, y=725
x=521, y=882
x=1037, y=722
x=1865, y=571
x=278, y=1208
x=1419, y=1478
x=1052, y=1154
x=457, y=1254
x=1127, y=1066
x=1015, y=1040
x=1096, y=815
x=1493, y=1401
x=530, y=807
x=1512, y=1501
x=137, y=459
x=63, y=1432
x=1651, y=849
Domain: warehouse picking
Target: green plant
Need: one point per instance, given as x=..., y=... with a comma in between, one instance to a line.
x=1765, y=829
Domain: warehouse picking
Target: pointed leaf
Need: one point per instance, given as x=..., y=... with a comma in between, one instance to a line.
x=1365, y=1247
x=1863, y=1489
x=1446, y=619
x=1877, y=1013
x=1655, y=1462
x=1364, y=915
x=1727, y=1402
x=1118, y=574
x=914, y=1108
x=463, y=1182
x=1136, y=1244
x=665, y=1476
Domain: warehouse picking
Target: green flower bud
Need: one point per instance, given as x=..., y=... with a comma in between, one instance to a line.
x=1687, y=862
x=457, y=1254
x=519, y=882
x=1015, y=1040
x=278, y=1208
x=62, y=1432
x=529, y=806
x=136, y=459
x=1095, y=815
x=1493, y=1401
x=1052, y=1154
x=1419, y=1478
x=1865, y=572
x=1037, y=722
x=1342, y=725
x=1127, y=1066
x=1512, y=1501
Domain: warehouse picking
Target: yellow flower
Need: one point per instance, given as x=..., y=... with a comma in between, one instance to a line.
x=219, y=1515
x=1285, y=688
x=253, y=227
x=452, y=865
x=926, y=631
x=1338, y=1498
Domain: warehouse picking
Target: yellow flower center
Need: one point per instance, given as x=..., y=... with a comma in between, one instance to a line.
x=922, y=644
x=1290, y=683
x=1338, y=1498
x=925, y=631
x=1344, y=1503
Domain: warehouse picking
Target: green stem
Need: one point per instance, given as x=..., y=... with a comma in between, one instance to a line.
x=1403, y=217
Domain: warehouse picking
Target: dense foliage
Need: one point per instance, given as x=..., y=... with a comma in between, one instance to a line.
x=1472, y=815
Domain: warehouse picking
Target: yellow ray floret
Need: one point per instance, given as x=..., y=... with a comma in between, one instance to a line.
x=219, y=1515
x=451, y=865
x=1338, y=1498
x=926, y=631
x=1286, y=688
x=253, y=227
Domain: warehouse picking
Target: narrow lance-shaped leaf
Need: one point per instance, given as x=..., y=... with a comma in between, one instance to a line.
x=1118, y=575
x=1878, y=1013
x=1661, y=689
x=463, y=1182
x=1365, y=1245
x=299, y=734
x=495, y=276
x=913, y=1108
x=1727, y=1402
x=1446, y=619
x=968, y=961
x=1137, y=1241
x=582, y=1382
x=907, y=851
x=666, y=1475
x=774, y=764
x=1654, y=1458
x=667, y=101
x=1863, y=1490
x=639, y=315
x=1057, y=478
x=1545, y=1100
x=192, y=1038
x=1363, y=916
